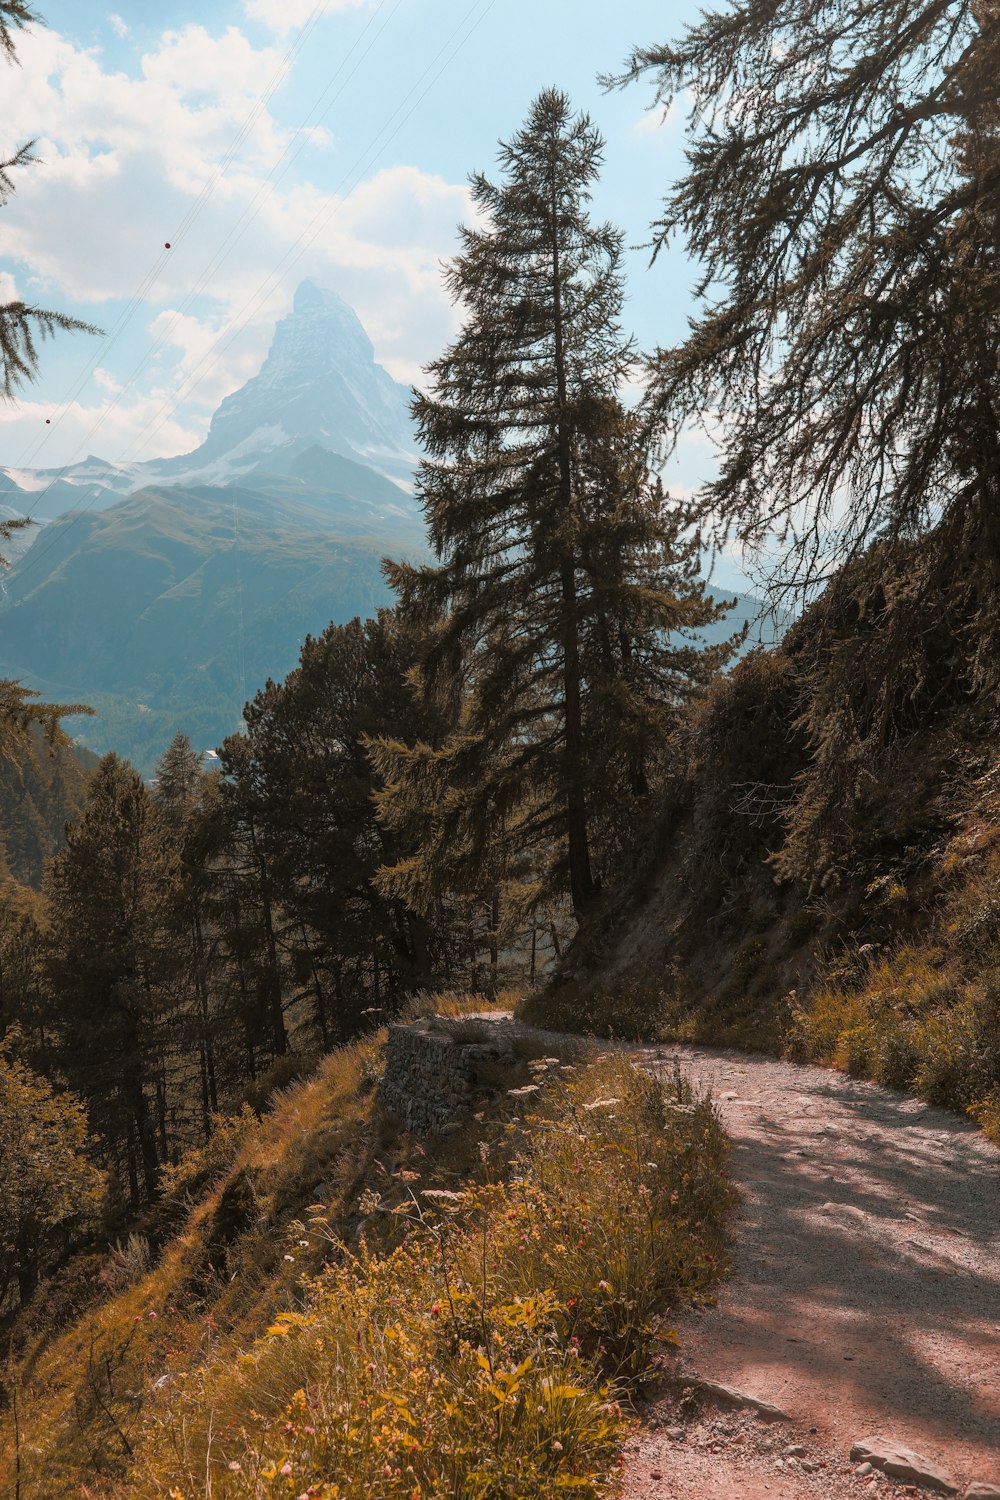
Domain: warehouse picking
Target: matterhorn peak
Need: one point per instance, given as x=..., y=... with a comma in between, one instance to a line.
x=310, y=297
x=320, y=385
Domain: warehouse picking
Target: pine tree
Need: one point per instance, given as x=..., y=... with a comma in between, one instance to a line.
x=179, y=783
x=110, y=893
x=23, y=1010
x=843, y=200
x=182, y=791
x=558, y=583
x=22, y=324
x=351, y=947
x=245, y=902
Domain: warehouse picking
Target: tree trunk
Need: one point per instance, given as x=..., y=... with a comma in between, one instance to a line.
x=206, y=1113
x=208, y=1056
x=581, y=879
x=276, y=1015
x=318, y=993
x=420, y=947
x=145, y=1132
x=131, y=1167
x=27, y=1265
x=494, y=940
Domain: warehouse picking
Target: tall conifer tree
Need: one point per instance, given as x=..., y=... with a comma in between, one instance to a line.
x=111, y=891
x=557, y=577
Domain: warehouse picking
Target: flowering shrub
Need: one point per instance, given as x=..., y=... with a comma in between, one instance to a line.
x=485, y=1354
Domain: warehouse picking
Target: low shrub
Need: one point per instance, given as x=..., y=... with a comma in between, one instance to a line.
x=910, y=1020
x=987, y=1114
x=629, y=1008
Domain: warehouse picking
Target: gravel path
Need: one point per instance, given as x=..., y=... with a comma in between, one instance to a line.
x=864, y=1300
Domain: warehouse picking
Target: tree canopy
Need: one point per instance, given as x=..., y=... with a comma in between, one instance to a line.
x=560, y=574
x=46, y=1177
x=842, y=196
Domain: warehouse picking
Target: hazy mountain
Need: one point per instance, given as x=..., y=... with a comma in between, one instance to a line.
x=318, y=387
x=161, y=611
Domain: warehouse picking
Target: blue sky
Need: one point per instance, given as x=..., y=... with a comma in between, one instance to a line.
x=162, y=123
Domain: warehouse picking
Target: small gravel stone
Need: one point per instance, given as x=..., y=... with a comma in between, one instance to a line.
x=675, y=1434
x=795, y=1450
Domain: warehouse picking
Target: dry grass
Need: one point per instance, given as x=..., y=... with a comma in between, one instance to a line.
x=486, y=1354
x=311, y=1305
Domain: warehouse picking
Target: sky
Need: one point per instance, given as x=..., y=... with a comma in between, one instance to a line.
x=270, y=140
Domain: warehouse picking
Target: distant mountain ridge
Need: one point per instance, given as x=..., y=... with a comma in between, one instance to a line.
x=158, y=592
x=319, y=386
x=165, y=610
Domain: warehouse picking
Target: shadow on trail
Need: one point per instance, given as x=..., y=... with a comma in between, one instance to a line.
x=867, y=1255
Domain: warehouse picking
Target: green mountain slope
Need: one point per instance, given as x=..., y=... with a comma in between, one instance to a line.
x=165, y=610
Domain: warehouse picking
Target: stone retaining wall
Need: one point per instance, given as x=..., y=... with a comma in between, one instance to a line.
x=435, y=1067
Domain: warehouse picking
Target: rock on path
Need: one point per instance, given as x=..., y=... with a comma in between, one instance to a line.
x=865, y=1295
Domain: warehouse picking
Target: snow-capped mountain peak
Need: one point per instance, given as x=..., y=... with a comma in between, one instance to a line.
x=319, y=384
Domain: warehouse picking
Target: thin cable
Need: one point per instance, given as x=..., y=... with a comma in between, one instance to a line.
x=293, y=255
x=194, y=210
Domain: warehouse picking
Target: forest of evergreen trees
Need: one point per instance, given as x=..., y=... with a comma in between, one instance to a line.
x=436, y=797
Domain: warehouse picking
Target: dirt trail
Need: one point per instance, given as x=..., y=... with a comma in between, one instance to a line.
x=864, y=1300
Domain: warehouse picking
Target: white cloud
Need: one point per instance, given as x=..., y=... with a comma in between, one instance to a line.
x=283, y=16
x=107, y=382
x=126, y=161
x=118, y=26
x=658, y=123
x=652, y=121
x=191, y=61
x=8, y=288
x=100, y=427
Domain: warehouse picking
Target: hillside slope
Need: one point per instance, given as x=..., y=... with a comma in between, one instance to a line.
x=822, y=875
x=323, y=1304
x=164, y=611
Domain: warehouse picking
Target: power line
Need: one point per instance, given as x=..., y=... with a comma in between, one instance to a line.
x=139, y=294
x=397, y=120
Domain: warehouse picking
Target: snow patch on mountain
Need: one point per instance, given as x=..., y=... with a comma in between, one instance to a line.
x=320, y=385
